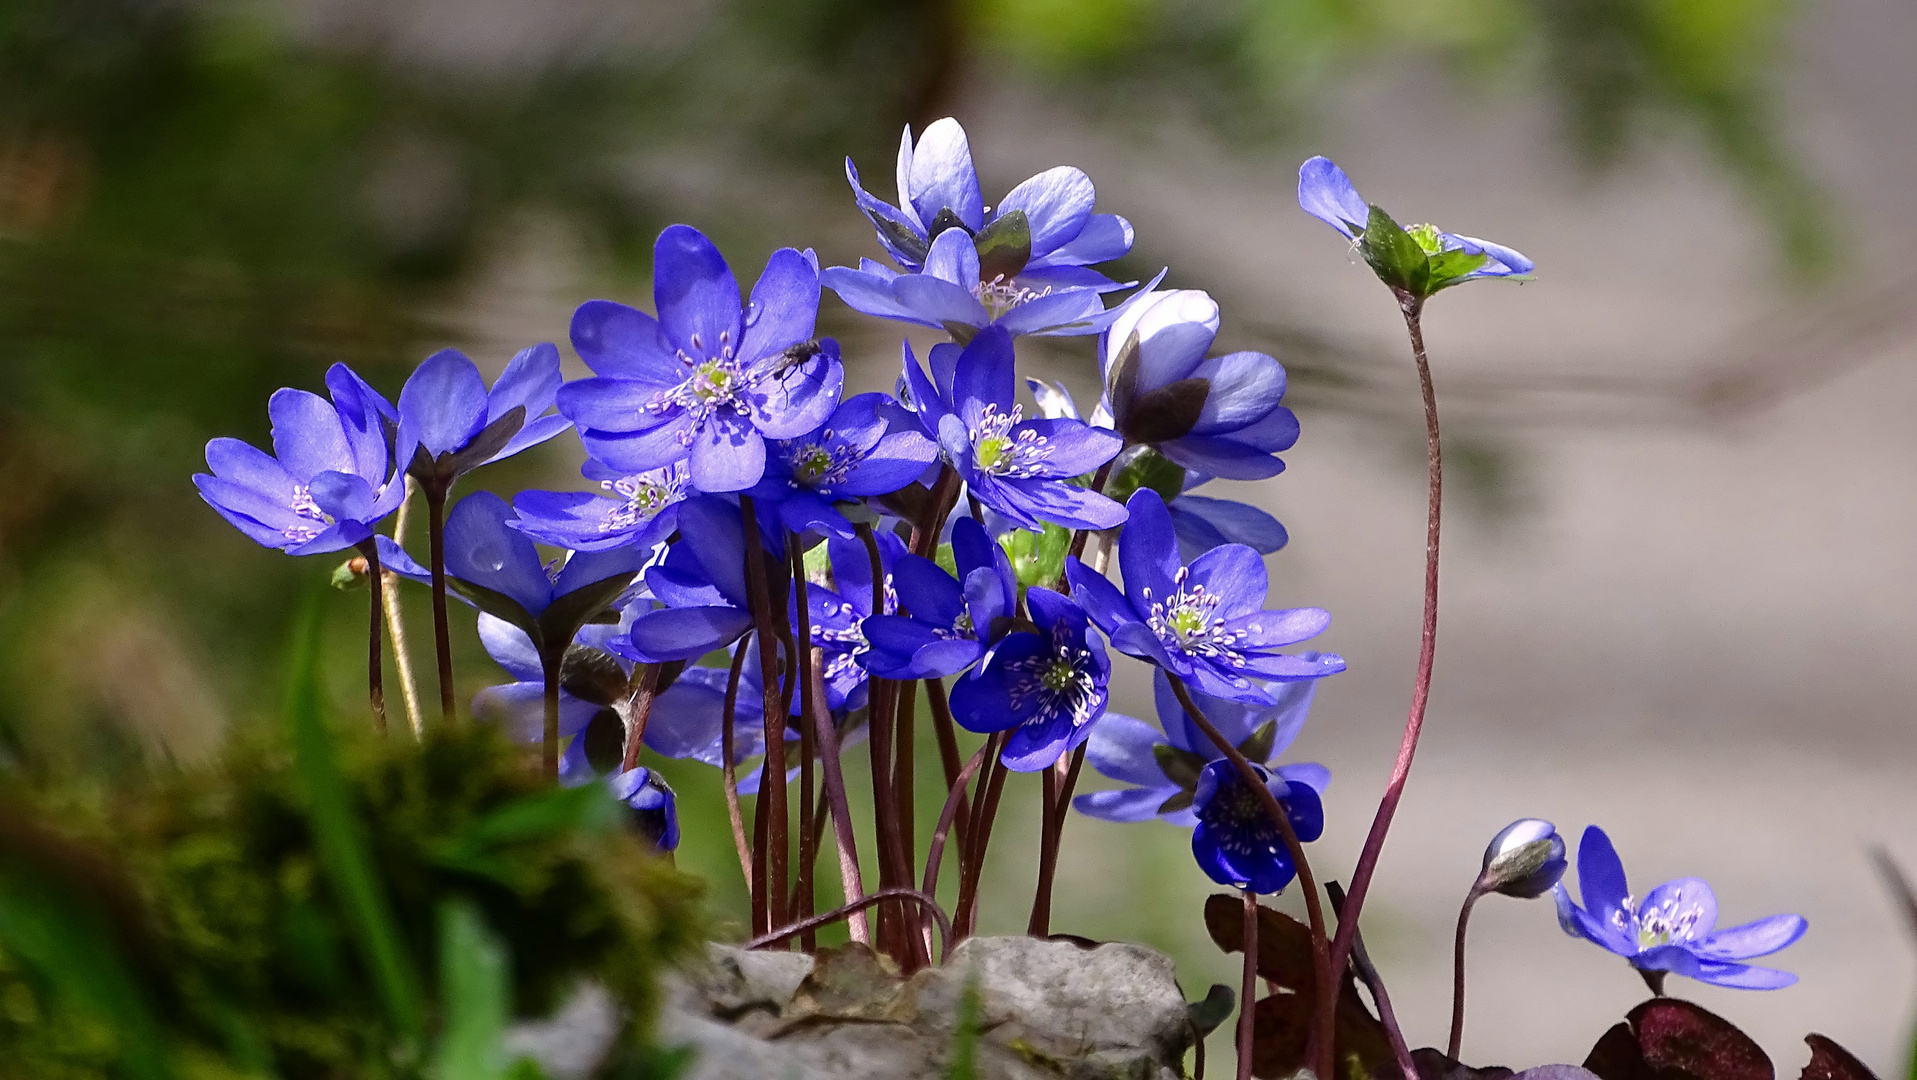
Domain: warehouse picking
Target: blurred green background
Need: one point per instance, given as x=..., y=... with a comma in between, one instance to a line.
x=203, y=201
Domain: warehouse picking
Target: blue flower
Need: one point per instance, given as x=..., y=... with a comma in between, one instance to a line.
x=328, y=481
x=642, y=513
x=1326, y=193
x=518, y=706
x=1021, y=468
x=1509, y=868
x=654, y=807
x=495, y=568
x=1205, y=623
x=450, y=424
x=1049, y=685
x=702, y=582
x=949, y=621
x=694, y=705
x=707, y=381
x=1022, y=265
x=871, y=445
x=1235, y=841
x=1220, y=416
x=1166, y=767
x=1674, y=928
x=838, y=615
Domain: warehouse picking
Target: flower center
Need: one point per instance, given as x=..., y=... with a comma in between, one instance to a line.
x=1188, y=620
x=1672, y=922
x=1062, y=681
x=1239, y=817
x=1002, y=294
x=646, y=494
x=820, y=465
x=303, y=505
x=999, y=451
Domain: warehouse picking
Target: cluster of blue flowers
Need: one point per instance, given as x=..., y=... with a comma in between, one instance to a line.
x=738, y=494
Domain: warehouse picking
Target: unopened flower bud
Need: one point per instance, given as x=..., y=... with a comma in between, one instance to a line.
x=1524, y=860
x=350, y=574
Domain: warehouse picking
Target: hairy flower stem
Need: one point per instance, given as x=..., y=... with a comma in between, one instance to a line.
x=1457, y=971
x=638, y=713
x=946, y=731
x=396, y=623
x=1248, y=985
x=1387, y=1018
x=442, y=634
x=1324, y=1023
x=728, y=765
x=772, y=892
x=375, y=683
x=827, y=735
x=1059, y=780
x=1318, y=1050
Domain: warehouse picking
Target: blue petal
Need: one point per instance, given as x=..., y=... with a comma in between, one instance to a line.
x=621, y=341
x=1203, y=523
x=640, y=451
x=953, y=258
x=1245, y=388
x=1685, y=898
x=870, y=293
x=943, y=177
x=1235, y=575
x=1104, y=237
x=1057, y=204
x=510, y=648
x=797, y=401
x=482, y=549
x=1121, y=748
x=981, y=703
x=785, y=305
x=937, y=302
x=684, y=633
x=694, y=292
x=1147, y=549
x=1742, y=976
x=1076, y=448
x=727, y=455
x=1124, y=805
x=1062, y=503
x=1222, y=456
x=1098, y=596
x=531, y=381
x=308, y=437
x=1601, y=875
x=1325, y=192
x=442, y=406
x=343, y=497
x=1062, y=313
x=1752, y=939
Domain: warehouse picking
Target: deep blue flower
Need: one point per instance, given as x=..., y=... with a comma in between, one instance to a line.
x=1022, y=265
x=450, y=424
x=654, y=807
x=1674, y=928
x=1166, y=766
x=1049, y=685
x=838, y=614
x=642, y=511
x=948, y=621
x=1236, y=842
x=1221, y=416
x=1018, y=467
x=495, y=568
x=1326, y=193
x=871, y=445
x=328, y=481
x=695, y=704
x=518, y=706
x=1205, y=623
x=702, y=582
x=707, y=381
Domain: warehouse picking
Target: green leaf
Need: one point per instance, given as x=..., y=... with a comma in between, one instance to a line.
x=341, y=838
x=475, y=996
x=1004, y=247
x=1038, y=558
x=946, y=218
x=1394, y=256
x=947, y=561
x=1144, y=467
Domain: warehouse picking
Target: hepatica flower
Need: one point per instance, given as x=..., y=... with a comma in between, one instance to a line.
x=1047, y=686
x=947, y=622
x=517, y=706
x=702, y=582
x=1673, y=928
x=1219, y=415
x=1022, y=265
x=451, y=424
x=707, y=381
x=838, y=615
x=1021, y=468
x=870, y=445
x=651, y=803
x=638, y=510
x=1235, y=841
x=1418, y=260
x=1166, y=767
x=1205, y=623
x=328, y=481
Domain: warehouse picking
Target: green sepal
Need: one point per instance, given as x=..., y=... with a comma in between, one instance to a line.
x=1038, y=558
x=1004, y=247
x=1144, y=467
x=1257, y=745
x=1181, y=767
x=345, y=578
x=947, y=561
x=900, y=237
x=1181, y=801
x=1394, y=255
x=1448, y=268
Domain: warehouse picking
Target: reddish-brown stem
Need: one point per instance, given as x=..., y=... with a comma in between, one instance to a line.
x=1457, y=972
x=953, y=812
x=1326, y=1018
x=897, y=923
x=1059, y=782
x=442, y=633
x=1248, y=986
x=549, y=660
x=843, y=911
x=729, y=767
x=946, y=731
x=1387, y=1017
x=1081, y=536
x=1319, y=1051
x=772, y=783
x=828, y=739
x=808, y=744
x=375, y=678
x=986, y=813
x=639, y=713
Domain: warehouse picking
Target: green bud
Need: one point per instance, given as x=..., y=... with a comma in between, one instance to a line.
x=350, y=574
x=1144, y=467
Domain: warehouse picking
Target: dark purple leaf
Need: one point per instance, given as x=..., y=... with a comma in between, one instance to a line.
x=1830, y=1061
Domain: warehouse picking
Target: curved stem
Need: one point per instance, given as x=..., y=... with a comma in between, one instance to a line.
x=954, y=812
x=1361, y=962
x=946, y=731
x=984, y=814
x=728, y=765
x=1248, y=986
x=1457, y=973
x=845, y=910
x=1326, y=1018
x=1322, y=970
x=375, y=688
x=442, y=634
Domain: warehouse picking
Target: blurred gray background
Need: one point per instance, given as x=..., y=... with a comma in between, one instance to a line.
x=1680, y=587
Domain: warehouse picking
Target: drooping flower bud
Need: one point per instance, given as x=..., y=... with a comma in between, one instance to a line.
x=1524, y=860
